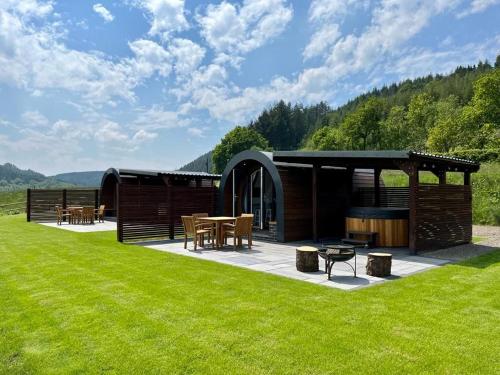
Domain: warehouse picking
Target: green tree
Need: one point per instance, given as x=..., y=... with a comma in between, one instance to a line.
x=395, y=130
x=362, y=127
x=327, y=138
x=448, y=131
x=481, y=117
x=421, y=117
x=239, y=139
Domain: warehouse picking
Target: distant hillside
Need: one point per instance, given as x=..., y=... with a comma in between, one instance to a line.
x=13, y=178
x=201, y=164
x=90, y=179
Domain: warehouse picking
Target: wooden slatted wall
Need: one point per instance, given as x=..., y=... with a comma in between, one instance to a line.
x=443, y=216
x=389, y=197
x=154, y=212
x=41, y=203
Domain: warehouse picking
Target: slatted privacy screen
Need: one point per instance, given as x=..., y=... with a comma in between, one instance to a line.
x=41, y=203
x=389, y=196
x=154, y=212
x=443, y=216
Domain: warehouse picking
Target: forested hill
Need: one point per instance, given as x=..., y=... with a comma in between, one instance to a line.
x=13, y=178
x=88, y=179
x=202, y=163
x=436, y=113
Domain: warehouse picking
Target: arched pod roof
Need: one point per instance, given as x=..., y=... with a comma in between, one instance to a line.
x=110, y=172
x=264, y=159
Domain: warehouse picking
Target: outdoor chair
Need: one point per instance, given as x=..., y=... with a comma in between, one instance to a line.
x=197, y=231
x=88, y=215
x=75, y=215
x=210, y=226
x=99, y=213
x=61, y=215
x=242, y=227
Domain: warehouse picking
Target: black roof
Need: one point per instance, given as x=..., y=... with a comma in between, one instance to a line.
x=375, y=159
x=157, y=173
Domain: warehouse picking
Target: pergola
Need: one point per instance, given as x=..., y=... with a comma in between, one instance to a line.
x=440, y=215
x=148, y=204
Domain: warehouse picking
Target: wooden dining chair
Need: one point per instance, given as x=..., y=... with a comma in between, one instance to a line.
x=61, y=215
x=99, y=213
x=75, y=215
x=196, y=231
x=88, y=215
x=242, y=227
x=209, y=226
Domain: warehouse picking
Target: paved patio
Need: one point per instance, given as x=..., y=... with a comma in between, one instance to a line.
x=279, y=259
x=84, y=228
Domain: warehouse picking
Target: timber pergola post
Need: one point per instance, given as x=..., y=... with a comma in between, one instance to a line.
x=376, y=178
x=315, y=171
x=411, y=169
x=28, y=205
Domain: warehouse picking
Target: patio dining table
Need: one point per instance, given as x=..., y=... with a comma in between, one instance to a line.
x=218, y=221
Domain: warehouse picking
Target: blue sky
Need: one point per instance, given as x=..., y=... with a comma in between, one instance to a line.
x=87, y=85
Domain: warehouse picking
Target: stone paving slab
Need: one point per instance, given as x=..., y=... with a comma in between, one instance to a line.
x=85, y=228
x=279, y=259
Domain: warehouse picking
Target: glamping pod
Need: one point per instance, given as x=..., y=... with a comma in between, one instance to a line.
x=148, y=204
x=281, y=194
x=323, y=195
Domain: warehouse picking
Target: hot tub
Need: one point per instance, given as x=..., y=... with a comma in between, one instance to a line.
x=391, y=224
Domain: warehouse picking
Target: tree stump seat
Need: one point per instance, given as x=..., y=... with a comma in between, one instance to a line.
x=379, y=264
x=307, y=259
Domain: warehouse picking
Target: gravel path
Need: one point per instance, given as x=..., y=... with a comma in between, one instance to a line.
x=490, y=242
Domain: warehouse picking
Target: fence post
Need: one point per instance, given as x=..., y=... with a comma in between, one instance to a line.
x=64, y=202
x=119, y=223
x=96, y=199
x=28, y=205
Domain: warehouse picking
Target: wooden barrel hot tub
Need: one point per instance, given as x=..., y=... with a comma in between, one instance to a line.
x=391, y=224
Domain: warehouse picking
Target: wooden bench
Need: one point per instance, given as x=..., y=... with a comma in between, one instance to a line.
x=368, y=239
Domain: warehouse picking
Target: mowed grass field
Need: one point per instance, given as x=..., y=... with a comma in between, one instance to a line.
x=83, y=303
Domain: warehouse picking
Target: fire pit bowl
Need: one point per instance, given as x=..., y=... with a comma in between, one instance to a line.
x=337, y=253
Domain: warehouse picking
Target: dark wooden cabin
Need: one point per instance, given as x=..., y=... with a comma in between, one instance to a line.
x=316, y=195
x=148, y=204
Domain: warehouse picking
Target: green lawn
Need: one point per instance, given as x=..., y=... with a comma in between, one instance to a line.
x=83, y=303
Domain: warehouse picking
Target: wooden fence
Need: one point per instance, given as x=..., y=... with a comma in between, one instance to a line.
x=154, y=212
x=41, y=203
x=443, y=216
x=389, y=197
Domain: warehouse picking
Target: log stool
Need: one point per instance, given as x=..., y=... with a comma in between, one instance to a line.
x=379, y=264
x=307, y=259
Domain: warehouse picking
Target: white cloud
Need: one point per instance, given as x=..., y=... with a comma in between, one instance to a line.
x=103, y=12
x=28, y=8
x=196, y=132
x=150, y=57
x=187, y=54
x=157, y=118
x=418, y=62
x=477, y=6
x=143, y=136
x=36, y=59
x=321, y=41
x=166, y=16
x=393, y=23
x=34, y=119
x=333, y=10
x=235, y=29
